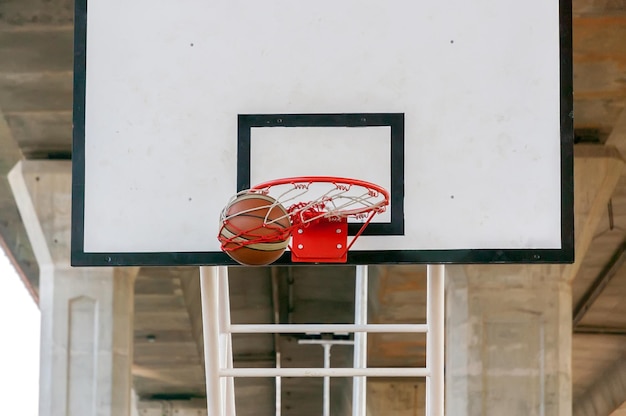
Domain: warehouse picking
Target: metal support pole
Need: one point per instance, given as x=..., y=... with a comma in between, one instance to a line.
x=327, y=345
x=326, y=409
x=278, y=388
x=217, y=344
x=226, y=350
x=209, y=291
x=359, y=384
x=277, y=352
x=435, y=319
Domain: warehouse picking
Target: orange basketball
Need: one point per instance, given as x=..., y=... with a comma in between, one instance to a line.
x=254, y=229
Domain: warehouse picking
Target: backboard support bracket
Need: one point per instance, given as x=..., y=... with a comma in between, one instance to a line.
x=326, y=241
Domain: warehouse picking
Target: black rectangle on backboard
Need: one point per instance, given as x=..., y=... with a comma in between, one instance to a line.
x=395, y=158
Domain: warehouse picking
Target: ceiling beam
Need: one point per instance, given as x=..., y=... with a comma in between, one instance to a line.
x=599, y=284
x=616, y=141
x=597, y=170
x=13, y=237
x=26, y=14
x=599, y=330
x=607, y=394
x=617, y=138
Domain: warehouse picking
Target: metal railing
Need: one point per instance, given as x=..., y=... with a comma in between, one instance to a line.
x=218, y=345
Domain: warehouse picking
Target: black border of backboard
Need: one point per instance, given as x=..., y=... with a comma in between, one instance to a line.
x=246, y=122
x=563, y=255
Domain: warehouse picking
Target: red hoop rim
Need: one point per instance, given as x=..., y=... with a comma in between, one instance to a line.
x=309, y=216
x=323, y=179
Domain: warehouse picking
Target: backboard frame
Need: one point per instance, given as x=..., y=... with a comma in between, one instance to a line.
x=395, y=121
x=246, y=121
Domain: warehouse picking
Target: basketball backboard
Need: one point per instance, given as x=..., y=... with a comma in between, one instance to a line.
x=462, y=110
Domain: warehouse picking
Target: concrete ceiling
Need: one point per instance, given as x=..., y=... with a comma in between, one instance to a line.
x=35, y=123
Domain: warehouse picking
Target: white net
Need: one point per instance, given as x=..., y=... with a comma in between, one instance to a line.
x=310, y=198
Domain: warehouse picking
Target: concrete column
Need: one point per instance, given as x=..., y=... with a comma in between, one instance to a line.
x=509, y=334
x=87, y=313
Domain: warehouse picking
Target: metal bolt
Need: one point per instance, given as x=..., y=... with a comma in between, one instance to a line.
x=300, y=230
x=300, y=246
x=339, y=246
x=338, y=230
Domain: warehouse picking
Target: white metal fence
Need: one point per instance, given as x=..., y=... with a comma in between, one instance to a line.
x=219, y=366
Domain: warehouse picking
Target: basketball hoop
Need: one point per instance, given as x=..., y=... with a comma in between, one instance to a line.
x=318, y=209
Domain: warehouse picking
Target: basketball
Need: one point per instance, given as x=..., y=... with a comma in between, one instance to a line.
x=254, y=229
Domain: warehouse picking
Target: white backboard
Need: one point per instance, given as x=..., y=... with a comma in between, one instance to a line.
x=461, y=109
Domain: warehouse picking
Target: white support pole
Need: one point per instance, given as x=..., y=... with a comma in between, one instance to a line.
x=226, y=350
x=278, y=388
x=209, y=291
x=359, y=384
x=327, y=345
x=435, y=319
x=217, y=341
x=326, y=409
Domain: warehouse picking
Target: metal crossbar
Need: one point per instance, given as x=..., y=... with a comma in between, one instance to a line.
x=326, y=372
x=326, y=328
x=218, y=345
